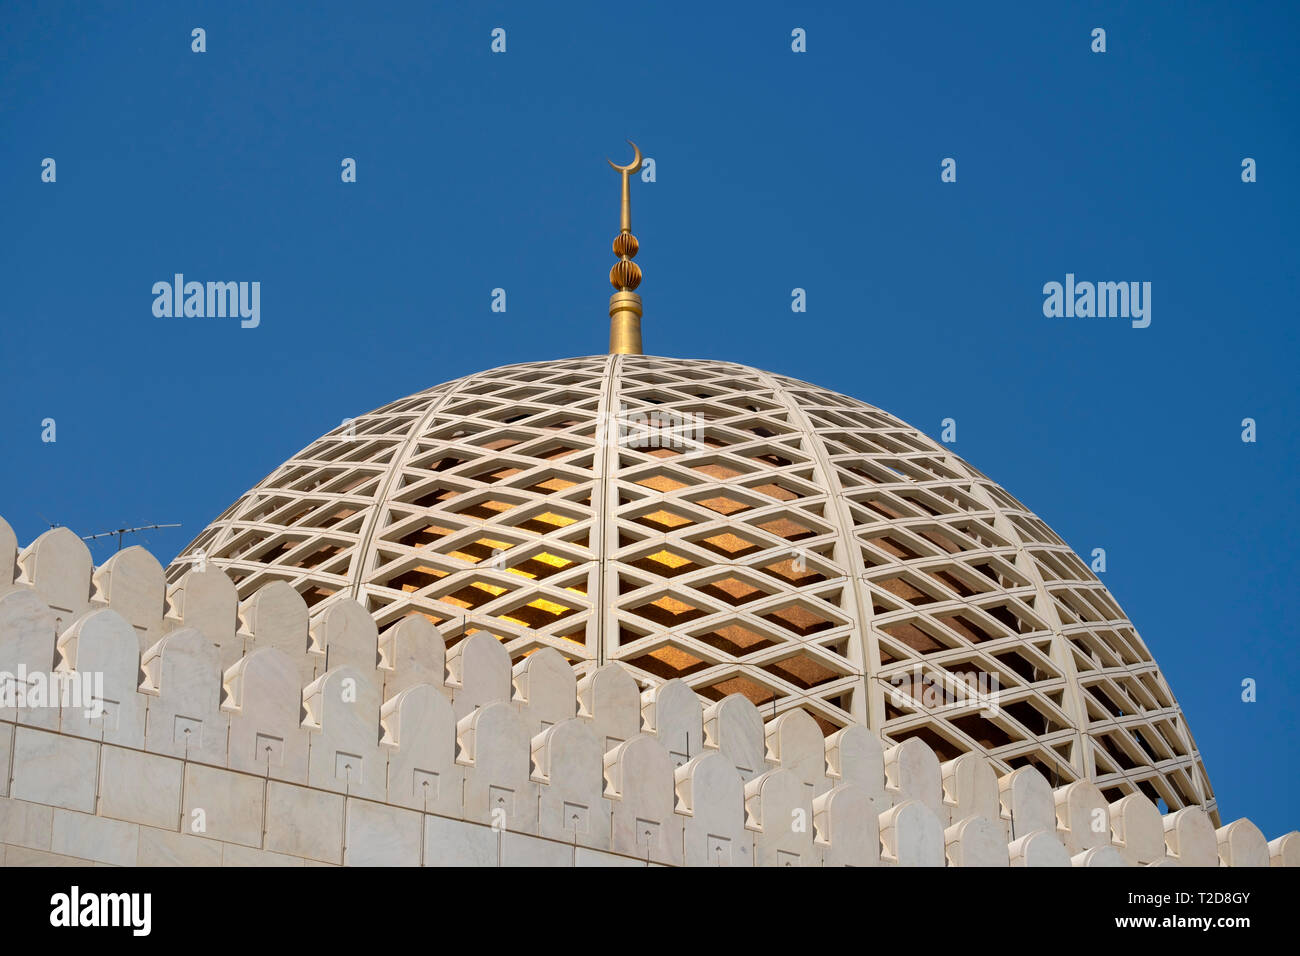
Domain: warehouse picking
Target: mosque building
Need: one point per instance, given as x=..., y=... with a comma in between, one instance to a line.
x=614, y=610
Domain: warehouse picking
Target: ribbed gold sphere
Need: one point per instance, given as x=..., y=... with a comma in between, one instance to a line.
x=625, y=276
x=625, y=244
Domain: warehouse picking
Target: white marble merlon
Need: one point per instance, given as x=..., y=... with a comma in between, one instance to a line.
x=847, y=824
x=780, y=809
x=568, y=764
x=545, y=689
x=102, y=642
x=639, y=773
x=495, y=751
x=672, y=712
x=27, y=647
x=183, y=686
x=419, y=729
x=8, y=556
x=263, y=704
x=132, y=583
x=342, y=714
x=208, y=601
x=711, y=797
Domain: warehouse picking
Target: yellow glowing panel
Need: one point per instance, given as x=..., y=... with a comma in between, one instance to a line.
x=456, y=602
x=411, y=587
x=576, y=590
x=491, y=589
x=672, y=605
x=554, y=560
x=670, y=559
x=438, y=530
x=560, y=521
x=550, y=607
x=522, y=574
x=495, y=545
x=556, y=484
x=667, y=518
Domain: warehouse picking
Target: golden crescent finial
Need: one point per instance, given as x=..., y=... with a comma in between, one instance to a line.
x=632, y=167
x=625, y=304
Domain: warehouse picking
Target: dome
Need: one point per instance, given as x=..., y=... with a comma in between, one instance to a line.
x=746, y=532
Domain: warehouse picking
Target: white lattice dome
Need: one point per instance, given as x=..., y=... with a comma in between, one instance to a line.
x=741, y=530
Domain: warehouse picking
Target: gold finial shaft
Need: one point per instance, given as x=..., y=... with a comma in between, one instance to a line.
x=625, y=211
x=625, y=324
x=625, y=304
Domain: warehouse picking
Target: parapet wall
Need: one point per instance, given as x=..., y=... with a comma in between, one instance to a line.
x=251, y=733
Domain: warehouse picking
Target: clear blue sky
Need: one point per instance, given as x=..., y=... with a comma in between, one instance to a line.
x=774, y=170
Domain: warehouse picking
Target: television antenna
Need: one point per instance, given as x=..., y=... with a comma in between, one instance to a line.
x=120, y=532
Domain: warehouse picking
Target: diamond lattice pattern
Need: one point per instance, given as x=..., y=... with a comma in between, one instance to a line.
x=743, y=531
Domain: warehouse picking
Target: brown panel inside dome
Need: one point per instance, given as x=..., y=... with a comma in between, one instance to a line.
x=736, y=639
x=667, y=663
x=755, y=692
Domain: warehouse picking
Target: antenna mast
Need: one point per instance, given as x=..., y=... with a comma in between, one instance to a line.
x=125, y=531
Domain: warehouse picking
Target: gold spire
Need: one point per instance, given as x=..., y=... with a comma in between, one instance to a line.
x=625, y=304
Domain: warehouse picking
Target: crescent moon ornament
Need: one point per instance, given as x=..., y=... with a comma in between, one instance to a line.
x=633, y=166
x=625, y=217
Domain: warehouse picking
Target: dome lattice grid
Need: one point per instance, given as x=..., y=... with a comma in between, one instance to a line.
x=764, y=536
